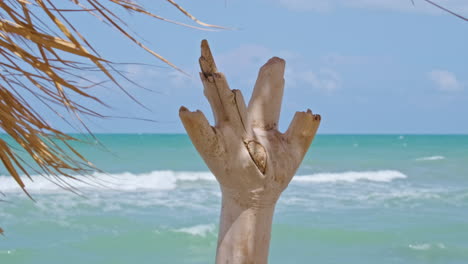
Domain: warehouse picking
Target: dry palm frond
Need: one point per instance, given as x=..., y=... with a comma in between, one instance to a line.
x=43, y=56
x=444, y=9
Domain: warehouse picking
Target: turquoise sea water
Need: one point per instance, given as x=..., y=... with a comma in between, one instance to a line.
x=355, y=199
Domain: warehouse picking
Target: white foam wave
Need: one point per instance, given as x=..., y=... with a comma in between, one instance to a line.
x=198, y=230
x=352, y=176
x=156, y=180
x=420, y=246
x=169, y=180
x=431, y=158
x=426, y=246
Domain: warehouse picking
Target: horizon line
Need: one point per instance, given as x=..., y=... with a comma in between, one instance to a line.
x=323, y=134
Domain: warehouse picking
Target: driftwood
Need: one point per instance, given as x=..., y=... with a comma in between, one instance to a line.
x=250, y=158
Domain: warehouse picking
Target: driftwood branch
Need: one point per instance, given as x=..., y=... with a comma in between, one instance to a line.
x=250, y=158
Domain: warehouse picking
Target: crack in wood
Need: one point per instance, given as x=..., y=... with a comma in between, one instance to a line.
x=258, y=154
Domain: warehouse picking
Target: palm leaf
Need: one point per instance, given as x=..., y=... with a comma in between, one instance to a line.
x=42, y=54
x=444, y=9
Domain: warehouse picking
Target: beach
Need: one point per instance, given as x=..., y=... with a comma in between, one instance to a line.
x=355, y=199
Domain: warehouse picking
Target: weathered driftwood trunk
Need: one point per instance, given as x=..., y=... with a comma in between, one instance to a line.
x=250, y=158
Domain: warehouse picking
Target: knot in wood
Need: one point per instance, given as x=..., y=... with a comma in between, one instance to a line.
x=257, y=153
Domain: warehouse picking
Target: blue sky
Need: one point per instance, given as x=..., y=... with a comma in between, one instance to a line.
x=366, y=66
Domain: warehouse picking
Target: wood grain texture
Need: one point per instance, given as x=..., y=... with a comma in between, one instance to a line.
x=251, y=159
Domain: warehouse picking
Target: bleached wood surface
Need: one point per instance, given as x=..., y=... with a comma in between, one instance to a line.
x=250, y=158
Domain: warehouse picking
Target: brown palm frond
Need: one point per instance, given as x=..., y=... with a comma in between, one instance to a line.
x=44, y=56
x=444, y=9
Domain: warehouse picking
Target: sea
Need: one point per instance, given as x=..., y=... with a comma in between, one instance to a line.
x=377, y=199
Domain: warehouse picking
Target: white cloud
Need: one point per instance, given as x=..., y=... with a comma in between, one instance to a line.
x=340, y=59
x=460, y=6
x=445, y=81
x=180, y=80
x=325, y=80
x=243, y=61
x=242, y=64
x=137, y=71
x=150, y=77
x=308, y=5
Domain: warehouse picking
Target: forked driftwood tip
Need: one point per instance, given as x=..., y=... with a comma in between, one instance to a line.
x=207, y=63
x=275, y=60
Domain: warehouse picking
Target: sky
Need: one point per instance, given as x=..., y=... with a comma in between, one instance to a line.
x=366, y=66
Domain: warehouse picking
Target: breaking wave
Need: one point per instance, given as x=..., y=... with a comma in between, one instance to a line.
x=352, y=176
x=198, y=230
x=168, y=180
x=431, y=158
x=426, y=246
x=155, y=180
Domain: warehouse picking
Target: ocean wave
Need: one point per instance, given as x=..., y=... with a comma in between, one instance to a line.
x=431, y=158
x=198, y=230
x=352, y=176
x=155, y=180
x=169, y=180
x=426, y=246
